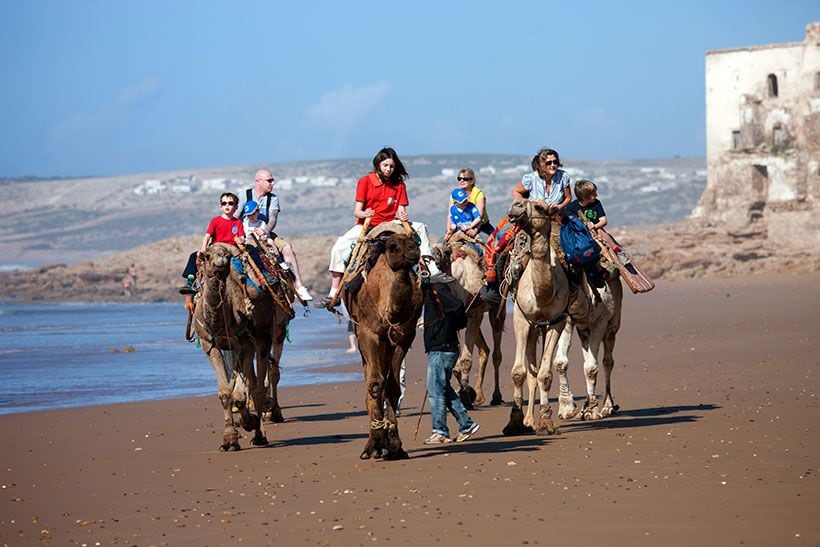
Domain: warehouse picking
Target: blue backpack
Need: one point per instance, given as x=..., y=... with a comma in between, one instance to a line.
x=579, y=247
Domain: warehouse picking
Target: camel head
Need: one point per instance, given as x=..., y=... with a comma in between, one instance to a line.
x=217, y=261
x=442, y=254
x=534, y=213
x=402, y=252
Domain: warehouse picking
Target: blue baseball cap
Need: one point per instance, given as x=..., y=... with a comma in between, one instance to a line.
x=250, y=207
x=459, y=195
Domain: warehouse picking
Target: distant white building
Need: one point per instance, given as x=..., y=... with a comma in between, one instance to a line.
x=448, y=172
x=214, y=184
x=284, y=184
x=181, y=188
x=152, y=186
x=487, y=170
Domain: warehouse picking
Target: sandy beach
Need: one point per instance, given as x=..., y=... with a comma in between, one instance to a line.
x=716, y=444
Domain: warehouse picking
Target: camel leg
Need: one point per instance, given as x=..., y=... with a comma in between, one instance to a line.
x=483, y=359
x=274, y=371
x=516, y=426
x=256, y=387
x=609, y=407
x=532, y=380
x=590, y=344
x=392, y=392
x=497, y=325
x=465, y=361
x=230, y=437
x=545, y=424
x=374, y=376
x=567, y=409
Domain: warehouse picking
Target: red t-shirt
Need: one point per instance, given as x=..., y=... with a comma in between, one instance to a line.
x=223, y=230
x=383, y=198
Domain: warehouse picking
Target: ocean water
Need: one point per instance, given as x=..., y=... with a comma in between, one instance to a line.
x=69, y=355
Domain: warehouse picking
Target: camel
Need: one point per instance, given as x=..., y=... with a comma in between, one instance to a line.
x=541, y=299
x=230, y=325
x=464, y=263
x=384, y=312
x=595, y=313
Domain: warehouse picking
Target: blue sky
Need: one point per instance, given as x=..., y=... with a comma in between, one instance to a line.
x=115, y=87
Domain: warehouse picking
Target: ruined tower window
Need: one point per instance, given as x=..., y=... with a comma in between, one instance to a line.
x=817, y=81
x=778, y=137
x=771, y=80
x=735, y=140
x=759, y=192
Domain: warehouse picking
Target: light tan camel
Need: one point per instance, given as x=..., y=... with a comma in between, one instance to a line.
x=384, y=312
x=541, y=299
x=230, y=325
x=595, y=313
x=459, y=259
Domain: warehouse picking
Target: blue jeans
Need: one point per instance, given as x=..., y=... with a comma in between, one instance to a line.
x=442, y=396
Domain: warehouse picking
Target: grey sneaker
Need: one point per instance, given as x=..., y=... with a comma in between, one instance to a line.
x=442, y=277
x=437, y=438
x=467, y=434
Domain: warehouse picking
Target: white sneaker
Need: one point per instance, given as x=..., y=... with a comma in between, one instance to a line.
x=467, y=434
x=437, y=438
x=303, y=293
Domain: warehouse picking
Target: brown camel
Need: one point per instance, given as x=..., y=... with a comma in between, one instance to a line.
x=541, y=299
x=384, y=312
x=465, y=264
x=233, y=329
x=595, y=313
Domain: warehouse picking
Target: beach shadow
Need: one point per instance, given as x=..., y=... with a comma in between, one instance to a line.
x=493, y=444
x=330, y=416
x=317, y=441
x=641, y=417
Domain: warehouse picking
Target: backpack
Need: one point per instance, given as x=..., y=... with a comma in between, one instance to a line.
x=579, y=247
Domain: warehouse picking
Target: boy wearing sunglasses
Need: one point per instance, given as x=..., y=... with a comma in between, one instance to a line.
x=222, y=229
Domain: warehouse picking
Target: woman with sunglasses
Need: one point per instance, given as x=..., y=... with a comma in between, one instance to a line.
x=546, y=181
x=466, y=181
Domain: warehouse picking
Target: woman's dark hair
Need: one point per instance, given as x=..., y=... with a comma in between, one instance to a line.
x=399, y=172
x=544, y=152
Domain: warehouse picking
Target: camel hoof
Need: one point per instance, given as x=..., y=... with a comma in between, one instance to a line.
x=479, y=399
x=497, y=400
x=364, y=455
x=467, y=396
x=546, y=427
x=251, y=423
x=230, y=447
x=259, y=440
x=516, y=424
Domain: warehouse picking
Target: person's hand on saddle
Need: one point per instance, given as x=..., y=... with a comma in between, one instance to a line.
x=402, y=215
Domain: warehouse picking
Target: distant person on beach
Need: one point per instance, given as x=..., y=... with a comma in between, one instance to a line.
x=381, y=196
x=441, y=345
x=269, y=208
x=126, y=286
x=546, y=182
x=586, y=202
x=132, y=274
x=222, y=229
x=464, y=215
x=254, y=223
x=466, y=181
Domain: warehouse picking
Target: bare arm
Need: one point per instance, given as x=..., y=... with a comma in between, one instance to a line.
x=567, y=199
x=519, y=192
x=600, y=224
x=402, y=215
x=360, y=212
x=205, y=242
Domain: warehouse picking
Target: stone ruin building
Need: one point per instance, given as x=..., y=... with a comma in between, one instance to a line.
x=763, y=140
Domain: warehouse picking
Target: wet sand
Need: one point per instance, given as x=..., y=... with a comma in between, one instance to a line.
x=716, y=444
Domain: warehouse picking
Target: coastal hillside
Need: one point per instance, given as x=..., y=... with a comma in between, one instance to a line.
x=667, y=251
x=73, y=220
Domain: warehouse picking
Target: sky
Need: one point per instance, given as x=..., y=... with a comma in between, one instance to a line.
x=116, y=87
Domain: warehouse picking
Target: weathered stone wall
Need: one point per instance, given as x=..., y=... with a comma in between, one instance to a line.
x=763, y=139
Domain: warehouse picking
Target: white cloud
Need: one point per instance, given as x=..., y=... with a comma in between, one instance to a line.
x=347, y=106
x=85, y=128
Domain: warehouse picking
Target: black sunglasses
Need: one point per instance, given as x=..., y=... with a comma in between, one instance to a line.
x=465, y=178
x=550, y=162
x=232, y=203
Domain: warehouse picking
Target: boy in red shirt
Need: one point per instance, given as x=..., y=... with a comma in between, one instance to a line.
x=222, y=229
